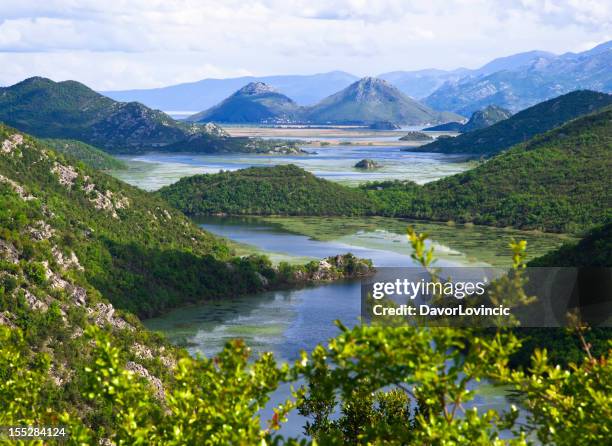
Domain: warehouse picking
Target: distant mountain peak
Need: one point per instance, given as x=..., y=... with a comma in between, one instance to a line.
x=255, y=88
x=373, y=82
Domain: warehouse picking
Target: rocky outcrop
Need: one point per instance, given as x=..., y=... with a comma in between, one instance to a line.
x=9, y=145
x=66, y=261
x=154, y=381
x=8, y=251
x=19, y=190
x=41, y=231
x=104, y=314
x=65, y=174
x=367, y=164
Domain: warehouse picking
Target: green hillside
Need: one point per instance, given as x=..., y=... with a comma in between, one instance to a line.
x=283, y=190
x=79, y=252
x=71, y=110
x=522, y=126
x=91, y=156
x=559, y=181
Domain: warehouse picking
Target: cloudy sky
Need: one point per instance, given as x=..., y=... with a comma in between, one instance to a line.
x=116, y=44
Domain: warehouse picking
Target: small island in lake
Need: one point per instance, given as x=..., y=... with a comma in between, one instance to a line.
x=416, y=136
x=367, y=164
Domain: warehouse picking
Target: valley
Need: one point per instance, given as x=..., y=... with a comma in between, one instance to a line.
x=168, y=279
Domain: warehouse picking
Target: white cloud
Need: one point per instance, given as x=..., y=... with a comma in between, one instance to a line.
x=145, y=43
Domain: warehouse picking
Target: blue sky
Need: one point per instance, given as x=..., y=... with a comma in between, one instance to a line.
x=115, y=44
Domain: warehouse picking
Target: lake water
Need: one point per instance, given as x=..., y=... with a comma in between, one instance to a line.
x=336, y=163
x=286, y=322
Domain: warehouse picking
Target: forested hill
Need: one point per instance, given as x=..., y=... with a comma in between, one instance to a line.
x=559, y=181
x=283, y=190
x=521, y=126
x=71, y=110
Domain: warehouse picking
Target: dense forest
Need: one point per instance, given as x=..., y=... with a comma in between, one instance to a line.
x=283, y=190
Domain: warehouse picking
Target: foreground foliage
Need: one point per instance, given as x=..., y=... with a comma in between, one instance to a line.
x=393, y=385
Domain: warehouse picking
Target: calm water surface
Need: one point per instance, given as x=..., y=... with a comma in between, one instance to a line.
x=153, y=170
x=286, y=322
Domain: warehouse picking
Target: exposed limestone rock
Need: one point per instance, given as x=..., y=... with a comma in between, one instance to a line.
x=55, y=280
x=141, y=351
x=8, y=252
x=168, y=361
x=10, y=144
x=60, y=375
x=153, y=380
x=105, y=314
x=34, y=303
x=78, y=295
x=66, y=262
x=213, y=129
x=77, y=333
x=41, y=231
x=17, y=188
x=66, y=174
x=123, y=203
x=4, y=320
x=108, y=201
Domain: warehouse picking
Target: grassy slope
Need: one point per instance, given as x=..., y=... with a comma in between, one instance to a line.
x=522, y=126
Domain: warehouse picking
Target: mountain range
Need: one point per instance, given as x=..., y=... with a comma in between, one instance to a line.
x=367, y=101
x=203, y=94
x=521, y=126
x=513, y=82
x=73, y=111
x=540, y=78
